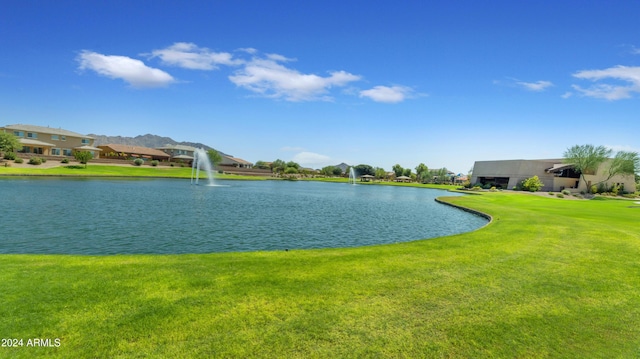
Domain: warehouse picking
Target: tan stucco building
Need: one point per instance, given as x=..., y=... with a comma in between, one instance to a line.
x=554, y=173
x=49, y=141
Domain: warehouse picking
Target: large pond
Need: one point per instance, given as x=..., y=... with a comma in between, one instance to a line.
x=95, y=216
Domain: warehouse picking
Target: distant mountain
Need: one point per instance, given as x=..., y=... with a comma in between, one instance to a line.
x=343, y=166
x=148, y=140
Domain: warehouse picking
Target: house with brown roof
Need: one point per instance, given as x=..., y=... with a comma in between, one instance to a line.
x=126, y=152
x=229, y=161
x=49, y=141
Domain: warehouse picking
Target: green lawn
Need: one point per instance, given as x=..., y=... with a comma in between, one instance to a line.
x=547, y=278
x=113, y=171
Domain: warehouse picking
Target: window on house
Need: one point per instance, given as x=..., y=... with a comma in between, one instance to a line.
x=18, y=133
x=85, y=141
x=32, y=135
x=66, y=152
x=55, y=137
x=63, y=138
x=55, y=151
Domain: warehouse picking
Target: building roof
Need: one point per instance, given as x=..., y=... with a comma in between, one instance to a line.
x=559, y=167
x=42, y=129
x=87, y=148
x=176, y=147
x=135, y=150
x=30, y=142
x=232, y=160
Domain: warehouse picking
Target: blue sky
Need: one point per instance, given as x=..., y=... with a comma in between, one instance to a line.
x=443, y=83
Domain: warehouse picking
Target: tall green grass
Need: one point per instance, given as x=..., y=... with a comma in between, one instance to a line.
x=547, y=278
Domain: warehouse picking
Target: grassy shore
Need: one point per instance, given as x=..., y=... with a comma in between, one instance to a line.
x=547, y=278
x=95, y=170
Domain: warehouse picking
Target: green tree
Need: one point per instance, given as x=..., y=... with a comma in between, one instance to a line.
x=625, y=163
x=261, y=165
x=407, y=172
x=363, y=169
x=83, y=157
x=294, y=165
x=214, y=157
x=278, y=166
x=586, y=159
x=422, y=173
x=328, y=170
x=397, y=169
x=9, y=143
x=337, y=171
x=380, y=173
x=441, y=175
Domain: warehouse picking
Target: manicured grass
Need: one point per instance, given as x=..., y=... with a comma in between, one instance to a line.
x=547, y=278
x=114, y=171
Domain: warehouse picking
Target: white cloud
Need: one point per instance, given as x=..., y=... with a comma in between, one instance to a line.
x=310, y=159
x=393, y=94
x=190, y=56
x=268, y=78
x=567, y=94
x=629, y=75
x=535, y=86
x=133, y=71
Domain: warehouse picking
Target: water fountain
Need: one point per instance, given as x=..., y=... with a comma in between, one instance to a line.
x=352, y=176
x=200, y=159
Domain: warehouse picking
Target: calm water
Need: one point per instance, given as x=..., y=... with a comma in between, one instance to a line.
x=92, y=216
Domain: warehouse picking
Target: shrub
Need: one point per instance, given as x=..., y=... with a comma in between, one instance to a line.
x=550, y=193
x=35, y=161
x=595, y=189
x=566, y=192
x=83, y=157
x=10, y=156
x=138, y=162
x=19, y=160
x=615, y=189
x=560, y=195
x=532, y=184
x=493, y=189
x=65, y=160
x=476, y=188
x=171, y=164
x=155, y=162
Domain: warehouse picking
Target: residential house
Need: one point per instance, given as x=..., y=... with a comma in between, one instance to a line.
x=49, y=141
x=178, y=153
x=554, y=173
x=228, y=161
x=127, y=152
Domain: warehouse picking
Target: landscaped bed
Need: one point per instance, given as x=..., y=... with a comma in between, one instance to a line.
x=546, y=278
